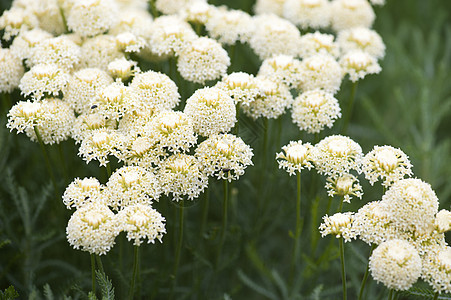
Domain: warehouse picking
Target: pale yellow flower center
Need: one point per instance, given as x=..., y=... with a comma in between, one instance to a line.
x=140, y=146
x=296, y=154
x=94, y=121
x=338, y=147
x=169, y=123
x=43, y=71
x=315, y=101
x=130, y=178
x=139, y=219
x=224, y=148
x=179, y=166
x=100, y=138
x=94, y=218
x=239, y=80
x=358, y=61
x=387, y=160
x=344, y=185
x=340, y=220
x=30, y=109
x=89, y=184
x=397, y=254
x=312, y=3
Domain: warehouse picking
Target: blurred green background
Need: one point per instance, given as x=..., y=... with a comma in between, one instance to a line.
x=407, y=105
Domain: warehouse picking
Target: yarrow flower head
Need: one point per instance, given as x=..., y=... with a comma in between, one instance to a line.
x=346, y=185
x=224, y=156
x=174, y=6
x=83, y=86
x=82, y=191
x=172, y=130
x=43, y=79
x=269, y=7
x=182, y=175
x=51, y=118
x=395, y=263
x=242, y=87
x=115, y=100
x=123, y=68
x=99, y=51
x=212, y=111
x=339, y=225
x=23, y=45
x=357, y=64
x=85, y=123
x=282, y=69
x=11, y=70
x=437, y=269
x=131, y=185
x=308, y=13
x=61, y=51
x=98, y=144
x=271, y=102
x=91, y=17
x=273, y=35
x=338, y=155
x=169, y=35
x=92, y=228
x=351, y=13
x=141, y=222
x=155, y=91
x=315, y=109
x=361, y=38
x=17, y=20
x=442, y=221
x=373, y=225
x=202, y=60
x=318, y=43
x=386, y=162
x=412, y=204
x=229, y=26
x=129, y=42
x=297, y=156
x=321, y=71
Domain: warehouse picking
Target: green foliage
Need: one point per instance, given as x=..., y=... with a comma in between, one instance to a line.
x=407, y=105
x=9, y=293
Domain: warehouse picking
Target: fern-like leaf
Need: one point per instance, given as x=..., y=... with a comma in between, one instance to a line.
x=106, y=286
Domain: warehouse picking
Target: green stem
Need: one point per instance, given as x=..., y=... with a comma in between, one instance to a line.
x=436, y=296
x=350, y=108
x=265, y=142
x=179, y=247
x=63, y=163
x=343, y=270
x=329, y=204
x=108, y=170
x=46, y=158
x=340, y=208
x=205, y=206
x=135, y=271
x=390, y=294
x=224, y=219
x=297, y=234
x=153, y=9
x=365, y=276
x=6, y=102
x=93, y=273
x=99, y=263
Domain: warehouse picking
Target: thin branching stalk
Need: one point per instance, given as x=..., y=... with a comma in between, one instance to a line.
x=153, y=9
x=436, y=296
x=179, y=247
x=99, y=263
x=93, y=273
x=390, y=294
x=46, y=158
x=343, y=269
x=224, y=219
x=297, y=232
x=63, y=163
x=349, y=108
x=108, y=170
x=329, y=205
x=205, y=206
x=135, y=271
x=367, y=271
x=340, y=208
